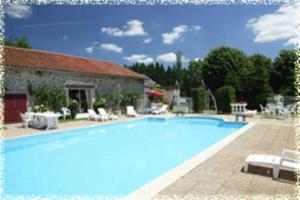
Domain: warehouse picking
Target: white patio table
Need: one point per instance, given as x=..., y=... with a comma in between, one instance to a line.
x=47, y=120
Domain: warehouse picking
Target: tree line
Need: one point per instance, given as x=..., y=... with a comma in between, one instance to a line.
x=253, y=77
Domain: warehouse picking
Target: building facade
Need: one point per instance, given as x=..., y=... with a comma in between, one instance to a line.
x=81, y=78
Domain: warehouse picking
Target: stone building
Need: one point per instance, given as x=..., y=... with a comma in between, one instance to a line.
x=81, y=78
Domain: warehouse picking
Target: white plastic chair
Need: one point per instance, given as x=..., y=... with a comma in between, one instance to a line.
x=264, y=111
x=284, y=113
x=130, y=111
x=27, y=119
x=66, y=112
x=293, y=108
x=104, y=114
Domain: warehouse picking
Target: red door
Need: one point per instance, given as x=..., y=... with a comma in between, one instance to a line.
x=14, y=104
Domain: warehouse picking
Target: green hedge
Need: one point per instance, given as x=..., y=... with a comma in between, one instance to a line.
x=198, y=95
x=224, y=96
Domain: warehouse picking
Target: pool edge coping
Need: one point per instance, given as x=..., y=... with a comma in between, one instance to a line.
x=45, y=132
x=139, y=117
x=160, y=183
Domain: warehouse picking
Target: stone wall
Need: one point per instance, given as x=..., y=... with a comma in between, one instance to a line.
x=16, y=80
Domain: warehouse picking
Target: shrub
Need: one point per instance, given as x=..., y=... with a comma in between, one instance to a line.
x=131, y=99
x=57, y=99
x=99, y=103
x=224, y=96
x=73, y=106
x=52, y=99
x=115, y=98
x=198, y=95
x=40, y=96
x=40, y=108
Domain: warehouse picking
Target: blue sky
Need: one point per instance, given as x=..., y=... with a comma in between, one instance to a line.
x=127, y=34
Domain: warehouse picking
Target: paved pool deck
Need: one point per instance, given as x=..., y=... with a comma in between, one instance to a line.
x=222, y=173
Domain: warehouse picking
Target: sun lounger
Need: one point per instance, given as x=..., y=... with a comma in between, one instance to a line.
x=103, y=113
x=161, y=110
x=130, y=111
x=275, y=162
x=94, y=116
x=287, y=162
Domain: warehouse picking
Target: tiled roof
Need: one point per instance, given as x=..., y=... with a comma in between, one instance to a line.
x=42, y=60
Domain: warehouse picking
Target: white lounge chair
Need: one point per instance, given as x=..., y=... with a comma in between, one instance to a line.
x=94, y=116
x=130, y=111
x=161, y=110
x=154, y=106
x=275, y=162
x=66, y=112
x=27, y=119
x=287, y=162
x=103, y=113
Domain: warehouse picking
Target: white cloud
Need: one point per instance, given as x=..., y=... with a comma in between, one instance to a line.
x=139, y=58
x=279, y=25
x=18, y=11
x=196, y=27
x=185, y=60
x=170, y=58
x=292, y=41
x=112, y=47
x=167, y=57
x=198, y=59
x=147, y=40
x=132, y=28
x=175, y=34
x=65, y=37
x=89, y=49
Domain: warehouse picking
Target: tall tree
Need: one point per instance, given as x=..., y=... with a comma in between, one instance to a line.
x=193, y=76
x=258, y=87
x=226, y=66
x=179, y=71
x=283, y=74
x=21, y=42
x=179, y=55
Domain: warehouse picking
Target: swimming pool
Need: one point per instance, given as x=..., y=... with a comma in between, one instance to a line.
x=112, y=159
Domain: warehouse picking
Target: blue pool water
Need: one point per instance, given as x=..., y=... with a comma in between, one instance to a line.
x=113, y=159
